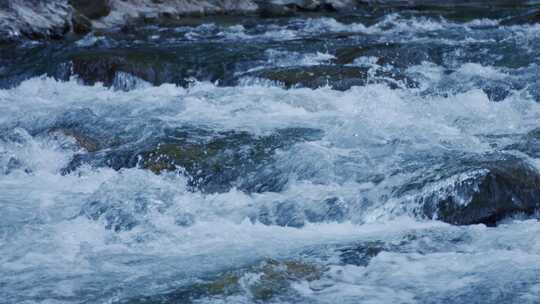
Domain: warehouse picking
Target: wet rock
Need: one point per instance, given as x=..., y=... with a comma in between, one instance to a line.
x=271, y=10
x=215, y=162
x=338, y=77
x=153, y=65
x=485, y=191
x=83, y=141
x=92, y=9
x=105, y=68
x=89, y=131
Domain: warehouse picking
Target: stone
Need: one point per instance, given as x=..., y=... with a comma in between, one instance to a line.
x=485, y=192
x=92, y=9
x=338, y=77
x=114, y=67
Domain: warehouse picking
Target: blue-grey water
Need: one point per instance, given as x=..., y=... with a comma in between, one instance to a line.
x=283, y=160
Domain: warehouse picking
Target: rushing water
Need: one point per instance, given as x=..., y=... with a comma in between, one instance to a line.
x=310, y=154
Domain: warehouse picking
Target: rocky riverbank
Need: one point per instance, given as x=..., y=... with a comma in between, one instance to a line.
x=56, y=19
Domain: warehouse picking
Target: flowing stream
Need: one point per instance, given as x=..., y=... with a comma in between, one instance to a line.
x=371, y=157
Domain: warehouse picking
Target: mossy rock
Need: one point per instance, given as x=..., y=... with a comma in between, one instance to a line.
x=214, y=161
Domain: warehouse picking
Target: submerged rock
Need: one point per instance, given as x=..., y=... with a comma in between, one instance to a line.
x=361, y=254
x=296, y=214
x=268, y=280
x=214, y=161
x=89, y=131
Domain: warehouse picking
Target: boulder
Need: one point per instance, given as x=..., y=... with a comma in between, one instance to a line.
x=91, y=9
x=153, y=65
x=480, y=191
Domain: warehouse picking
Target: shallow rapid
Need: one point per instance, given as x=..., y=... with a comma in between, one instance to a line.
x=377, y=157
